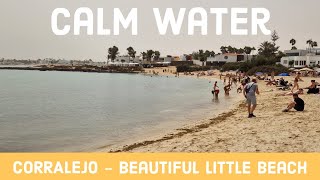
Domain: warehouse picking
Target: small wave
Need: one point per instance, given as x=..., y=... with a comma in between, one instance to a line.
x=168, y=111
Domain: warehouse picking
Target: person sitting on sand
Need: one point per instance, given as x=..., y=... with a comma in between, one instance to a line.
x=300, y=91
x=297, y=104
x=271, y=82
x=282, y=82
x=313, y=88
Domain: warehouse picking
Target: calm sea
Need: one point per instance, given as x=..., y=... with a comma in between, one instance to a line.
x=69, y=111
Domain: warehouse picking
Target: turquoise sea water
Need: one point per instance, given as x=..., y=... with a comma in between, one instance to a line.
x=69, y=111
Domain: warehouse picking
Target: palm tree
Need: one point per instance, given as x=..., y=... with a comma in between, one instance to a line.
x=309, y=42
x=113, y=52
x=156, y=55
x=144, y=55
x=150, y=54
x=248, y=50
x=202, y=56
x=210, y=53
x=131, y=52
x=231, y=49
x=315, y=44
x=312, y=44
x=293, y=42
x=223, y=49
x=240, y=51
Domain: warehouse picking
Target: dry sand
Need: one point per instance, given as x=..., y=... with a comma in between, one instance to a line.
x=271, y=131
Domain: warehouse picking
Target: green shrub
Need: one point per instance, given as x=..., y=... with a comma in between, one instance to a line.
x=268, y=69
x=188, y=68
x=254, y=64
x=237, y=66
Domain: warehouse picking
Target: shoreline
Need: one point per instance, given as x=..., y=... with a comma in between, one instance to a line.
x=188, y=128
x=87, y=69
x=180, y=132
x=272, y=131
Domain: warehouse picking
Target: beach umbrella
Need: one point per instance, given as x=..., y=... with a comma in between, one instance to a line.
x=259, y=73
x=306, y=69
x=284, y=74
x=292, y=69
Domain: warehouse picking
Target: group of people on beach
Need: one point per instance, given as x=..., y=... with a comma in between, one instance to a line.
x=249, y=88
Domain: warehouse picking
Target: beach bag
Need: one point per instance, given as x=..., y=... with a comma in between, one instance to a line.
x=248, y=88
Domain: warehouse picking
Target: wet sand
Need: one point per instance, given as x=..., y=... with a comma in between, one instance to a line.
x=271, y=131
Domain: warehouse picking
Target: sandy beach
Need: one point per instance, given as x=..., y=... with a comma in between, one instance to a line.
x=271, y=131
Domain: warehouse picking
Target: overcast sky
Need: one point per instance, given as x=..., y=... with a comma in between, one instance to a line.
x=25, y=30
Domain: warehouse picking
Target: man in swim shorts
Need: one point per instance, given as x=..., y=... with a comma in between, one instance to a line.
x=249, y=92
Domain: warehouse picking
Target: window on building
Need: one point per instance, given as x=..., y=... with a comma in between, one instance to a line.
x=285, y=61
x=296, y=63
x=302, y=63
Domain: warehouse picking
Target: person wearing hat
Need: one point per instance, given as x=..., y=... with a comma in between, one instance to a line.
x=250, y=91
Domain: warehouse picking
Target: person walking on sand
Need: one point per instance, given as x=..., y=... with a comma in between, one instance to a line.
x=249, y=92
x=295, y=84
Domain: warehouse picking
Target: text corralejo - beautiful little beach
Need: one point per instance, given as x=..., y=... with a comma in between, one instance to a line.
x=197, y=18
x=164, y=167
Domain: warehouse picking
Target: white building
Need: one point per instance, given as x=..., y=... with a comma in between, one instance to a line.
x=165, y=59
x=301, y=58
x=127, y=59
x=230, y=57
x=199, y=63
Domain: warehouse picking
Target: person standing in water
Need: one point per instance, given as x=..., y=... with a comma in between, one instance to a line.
x=227, y=89
x=249, y=92
x=215, y=90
